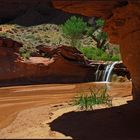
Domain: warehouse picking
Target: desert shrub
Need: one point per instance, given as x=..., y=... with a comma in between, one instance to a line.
x=116, y=57
x=93, y=53
x=100, y=22
x=81, y=33
x=73, y=29
x=30, y=37
x=105, y=57
x=3, y=34
x=88, y=52
x=100, y=37
x=26, y=51
x=96, y=96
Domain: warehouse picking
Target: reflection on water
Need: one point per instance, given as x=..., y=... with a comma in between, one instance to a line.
x=17, y=98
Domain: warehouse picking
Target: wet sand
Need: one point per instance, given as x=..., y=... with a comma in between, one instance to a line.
x=18, y=98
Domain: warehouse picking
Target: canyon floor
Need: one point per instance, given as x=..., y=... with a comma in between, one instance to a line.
x=44, y=111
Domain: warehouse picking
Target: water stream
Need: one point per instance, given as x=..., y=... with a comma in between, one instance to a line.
x=106, y=72
x=104, y=75
x=110, y=70
x=97, y=74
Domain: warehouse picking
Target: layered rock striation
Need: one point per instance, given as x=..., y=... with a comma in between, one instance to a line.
x=62, y=65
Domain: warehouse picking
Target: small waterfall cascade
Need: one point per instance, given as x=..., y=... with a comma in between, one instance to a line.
x=104, y=71
x=97, y=73
x=108, y=71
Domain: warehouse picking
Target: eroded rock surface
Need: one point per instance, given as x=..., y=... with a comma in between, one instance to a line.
x=97, y=8
x=64, y=65
x=124, y=28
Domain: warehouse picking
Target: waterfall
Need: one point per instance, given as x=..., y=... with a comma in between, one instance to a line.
x=97, y=73
x=104, y=75
x=108, y=71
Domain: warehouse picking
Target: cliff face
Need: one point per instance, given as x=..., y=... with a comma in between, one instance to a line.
x=97, y=8
x=124, y=28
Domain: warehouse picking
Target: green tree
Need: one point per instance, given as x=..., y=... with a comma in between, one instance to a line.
x=74, y=29
x=98, y=35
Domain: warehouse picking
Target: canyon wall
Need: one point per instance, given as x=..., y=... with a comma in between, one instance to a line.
x=124, y=28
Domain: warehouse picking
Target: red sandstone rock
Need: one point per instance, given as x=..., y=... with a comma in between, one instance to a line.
x=11, y=44
x=58, y=69
x=9, y=50
x=124, y=28
x=67, y=52
x=97, y=8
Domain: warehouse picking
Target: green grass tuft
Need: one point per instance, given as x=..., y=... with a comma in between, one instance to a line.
x=96, y=96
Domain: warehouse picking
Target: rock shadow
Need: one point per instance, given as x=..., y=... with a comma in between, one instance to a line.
x=116, y=123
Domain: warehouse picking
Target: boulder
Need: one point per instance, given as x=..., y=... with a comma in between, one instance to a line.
x=69, y=53
x=9, y=49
